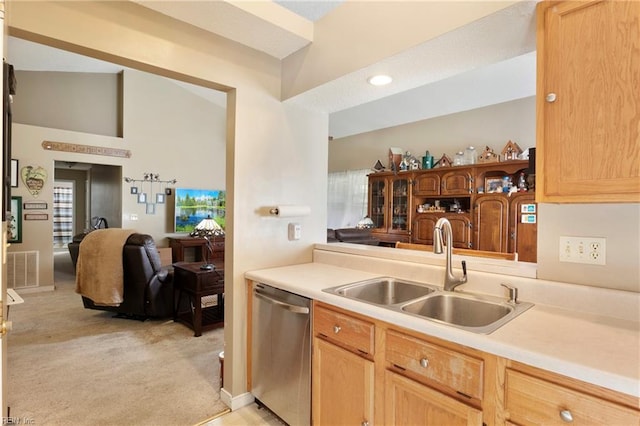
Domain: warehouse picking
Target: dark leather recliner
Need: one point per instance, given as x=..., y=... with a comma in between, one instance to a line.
x=148, y=287
x=353, y=235
x=74, y=245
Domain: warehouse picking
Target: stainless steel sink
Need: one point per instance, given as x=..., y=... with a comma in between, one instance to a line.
x=383, y=291
x=475, y=313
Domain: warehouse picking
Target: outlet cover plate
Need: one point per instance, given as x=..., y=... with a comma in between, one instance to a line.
x=587, y=250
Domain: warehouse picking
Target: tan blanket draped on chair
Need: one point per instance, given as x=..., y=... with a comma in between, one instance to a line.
x=99, y=271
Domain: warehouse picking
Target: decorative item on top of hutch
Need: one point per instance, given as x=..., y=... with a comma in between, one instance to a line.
x=395, y=157
x=148, y=200
x=444, y=161
x=511, y=151
x=488, y=156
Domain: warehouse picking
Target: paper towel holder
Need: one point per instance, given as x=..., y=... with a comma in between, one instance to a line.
x=289, y=210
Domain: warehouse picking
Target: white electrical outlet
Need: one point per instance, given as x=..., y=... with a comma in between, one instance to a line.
x=589, y=250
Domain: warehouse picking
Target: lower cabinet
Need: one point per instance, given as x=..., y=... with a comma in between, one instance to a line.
x=424, y=225
x=367, y=371
x=342, y=386
x=342, y=369
x=523, y=232
x=533, y=400
x=491, y=232
x=410, y=403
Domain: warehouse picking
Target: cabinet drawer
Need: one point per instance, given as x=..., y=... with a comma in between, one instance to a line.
x=533, y=401
x=459, y=372
x=346, y=330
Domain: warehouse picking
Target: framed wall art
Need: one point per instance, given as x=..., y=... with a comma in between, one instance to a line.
x=15, y=221
x=193, y=205
x=492, y=184
x=35, y=205
x=36, y=216
x=34, y=178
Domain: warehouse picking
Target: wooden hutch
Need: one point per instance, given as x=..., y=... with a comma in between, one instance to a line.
x=405, y=206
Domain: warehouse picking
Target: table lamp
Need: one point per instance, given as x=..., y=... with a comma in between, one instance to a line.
x=207, y=229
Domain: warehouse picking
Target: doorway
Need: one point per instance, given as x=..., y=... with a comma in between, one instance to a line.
x=80, y=191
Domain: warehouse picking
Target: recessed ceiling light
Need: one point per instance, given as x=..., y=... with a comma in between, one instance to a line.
x=380, y=80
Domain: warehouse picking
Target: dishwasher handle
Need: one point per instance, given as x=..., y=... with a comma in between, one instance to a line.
x=293, y=308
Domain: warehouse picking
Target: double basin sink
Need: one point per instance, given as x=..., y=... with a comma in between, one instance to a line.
x=476, y=313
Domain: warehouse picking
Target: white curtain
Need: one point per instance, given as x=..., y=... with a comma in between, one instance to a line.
x=347, y=198
x=62, y=214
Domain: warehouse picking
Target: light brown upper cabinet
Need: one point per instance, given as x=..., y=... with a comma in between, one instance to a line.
x=588, y=102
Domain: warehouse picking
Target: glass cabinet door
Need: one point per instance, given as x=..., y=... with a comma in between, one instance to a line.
x=400, y=205
x=377, y=196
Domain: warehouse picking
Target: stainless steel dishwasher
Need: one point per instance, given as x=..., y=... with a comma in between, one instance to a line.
x=281, y=353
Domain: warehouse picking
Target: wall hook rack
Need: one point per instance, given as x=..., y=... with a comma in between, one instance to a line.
x=144, y=197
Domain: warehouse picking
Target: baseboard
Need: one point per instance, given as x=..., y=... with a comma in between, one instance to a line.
x=36, y=289
x=236, y=402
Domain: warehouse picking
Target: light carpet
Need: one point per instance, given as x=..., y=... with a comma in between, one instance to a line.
x=70, y=365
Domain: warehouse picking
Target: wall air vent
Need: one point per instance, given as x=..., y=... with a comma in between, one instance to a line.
x=22, y=269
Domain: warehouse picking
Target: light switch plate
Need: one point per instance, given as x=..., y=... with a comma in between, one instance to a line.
x=295, y=231
x=588, y=250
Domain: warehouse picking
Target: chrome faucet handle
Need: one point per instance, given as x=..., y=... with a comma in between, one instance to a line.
x=513, y=293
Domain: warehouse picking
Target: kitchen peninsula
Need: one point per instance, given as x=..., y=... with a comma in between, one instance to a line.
x=587, y=338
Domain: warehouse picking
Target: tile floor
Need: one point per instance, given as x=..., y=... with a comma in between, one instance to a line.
x=249, y=415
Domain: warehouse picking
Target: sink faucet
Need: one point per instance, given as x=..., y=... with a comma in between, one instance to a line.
x=442, y=228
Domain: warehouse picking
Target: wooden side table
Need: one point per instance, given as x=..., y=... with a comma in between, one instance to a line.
x=194, y=283
x=179, y=244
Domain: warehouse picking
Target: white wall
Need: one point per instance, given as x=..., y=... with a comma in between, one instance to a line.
x=491, y=126
x=47, y=99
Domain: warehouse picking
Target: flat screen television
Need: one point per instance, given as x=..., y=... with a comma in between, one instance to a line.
x=193, y=205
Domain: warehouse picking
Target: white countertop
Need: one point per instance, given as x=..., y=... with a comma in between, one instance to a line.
x=593, y=348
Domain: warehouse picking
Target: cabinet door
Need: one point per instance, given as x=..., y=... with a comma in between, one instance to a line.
x=491, y=223
x=426, y=184
x=410, y=403
x=588, y=102
x=460, y=230
x=456, y=182
x=523, y=234
x=342, y=386
x=400, y=196
x=378, y=202
x=424, y=224
x=422, y=231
